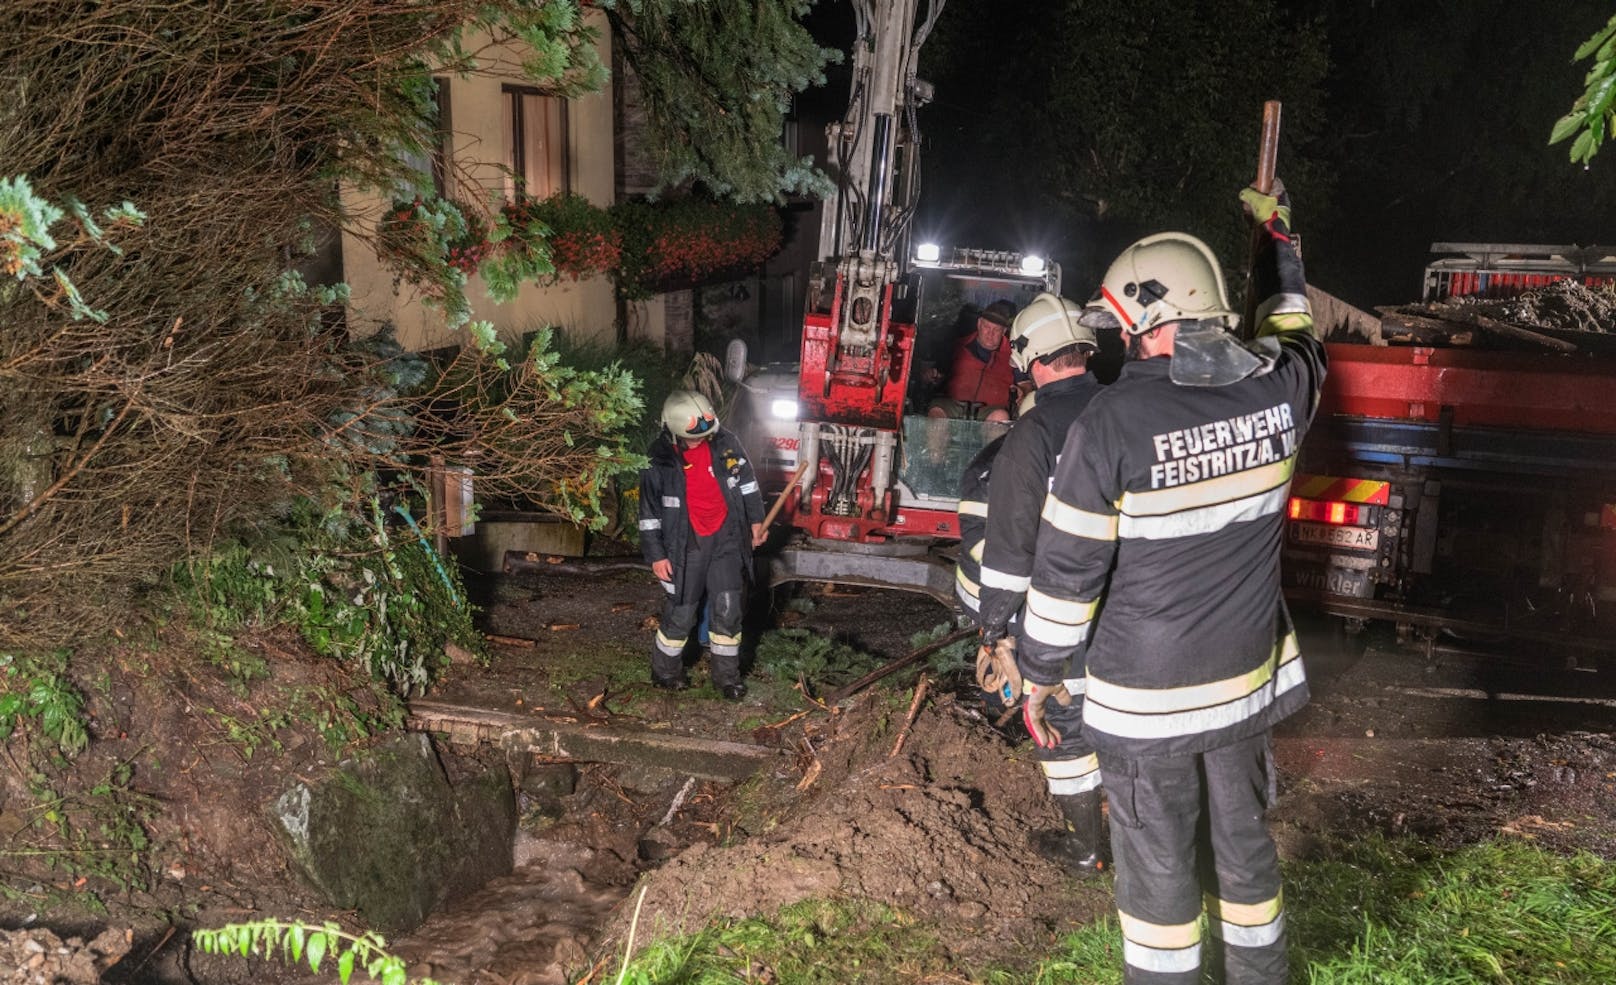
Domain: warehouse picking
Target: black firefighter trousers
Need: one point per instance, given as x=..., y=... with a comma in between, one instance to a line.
x=1188, y=830
x=713, y=571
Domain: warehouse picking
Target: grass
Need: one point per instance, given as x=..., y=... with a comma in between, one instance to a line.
x=815, y=942
x=1501, y=911
x=1376, y=912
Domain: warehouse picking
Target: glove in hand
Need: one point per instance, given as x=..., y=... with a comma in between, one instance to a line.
x=1263, y=209
x=1032, y=711
x=996, y=669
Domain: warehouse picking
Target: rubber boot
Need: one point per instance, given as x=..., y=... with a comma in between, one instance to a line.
x=1076, y=846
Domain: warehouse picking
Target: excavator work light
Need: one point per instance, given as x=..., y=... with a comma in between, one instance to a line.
x=1033, y=265
x=928, y=253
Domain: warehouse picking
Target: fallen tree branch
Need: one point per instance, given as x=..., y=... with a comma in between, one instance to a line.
x=897, y=665
x=909, y=720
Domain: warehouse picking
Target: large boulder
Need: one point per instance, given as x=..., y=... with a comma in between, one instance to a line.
x=385, y=833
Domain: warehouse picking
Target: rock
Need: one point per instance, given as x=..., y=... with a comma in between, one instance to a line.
x=35, y=955
x=385, y=834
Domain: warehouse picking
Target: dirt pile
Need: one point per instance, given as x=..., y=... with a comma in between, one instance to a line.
x=39, y=957
x=1567, y=305
x=938, y=830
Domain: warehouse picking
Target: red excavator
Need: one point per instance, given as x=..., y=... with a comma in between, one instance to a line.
x=875, y=487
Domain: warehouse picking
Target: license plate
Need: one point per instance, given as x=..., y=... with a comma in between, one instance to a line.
x=1352, y=538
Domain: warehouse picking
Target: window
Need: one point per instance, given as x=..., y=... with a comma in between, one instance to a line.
x=443, y=148
x=535, y=142
x=435, y=158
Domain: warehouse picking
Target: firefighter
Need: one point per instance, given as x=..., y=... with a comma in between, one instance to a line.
x=1169, y=499
x=700, y=516
x=1048, y=343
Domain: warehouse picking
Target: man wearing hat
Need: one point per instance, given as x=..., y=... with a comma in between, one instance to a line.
x=980, y=384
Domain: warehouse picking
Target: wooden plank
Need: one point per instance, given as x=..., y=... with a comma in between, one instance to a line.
x=1458, y=315
x=710, y=759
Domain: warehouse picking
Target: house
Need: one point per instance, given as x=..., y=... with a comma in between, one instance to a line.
x=498, y=134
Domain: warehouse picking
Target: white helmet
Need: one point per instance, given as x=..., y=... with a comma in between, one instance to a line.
x=688, y=414
x=1048, y=324
x=1163, y=278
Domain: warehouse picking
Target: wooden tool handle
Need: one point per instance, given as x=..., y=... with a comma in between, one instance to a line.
x=780, y=500
x=1268, y=150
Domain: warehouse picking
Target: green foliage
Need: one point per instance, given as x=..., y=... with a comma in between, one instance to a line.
x=248, y=734
x=807, y=943
x=36, y=691
x=688, y=240
x=785, y=656
x=1394, y=912
x=1594, y=111
x=294, y=942
x=26, y=221
x=957, y=659
x=607, y=405
x=643, y=245
x=434, y=243
x=543, y=239
x=1374, y=911
x=96, y=833
x=717, y=79
x=1398, y=913
x=354, y=591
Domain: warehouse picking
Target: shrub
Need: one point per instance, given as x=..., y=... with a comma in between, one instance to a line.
x=690, y=239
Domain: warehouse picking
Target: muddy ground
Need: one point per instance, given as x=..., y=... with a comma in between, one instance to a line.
x=931, y=817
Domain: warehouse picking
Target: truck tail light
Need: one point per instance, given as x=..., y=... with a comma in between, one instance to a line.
x=1333, y=512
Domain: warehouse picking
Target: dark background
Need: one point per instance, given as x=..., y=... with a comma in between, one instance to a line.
x=1071, y=128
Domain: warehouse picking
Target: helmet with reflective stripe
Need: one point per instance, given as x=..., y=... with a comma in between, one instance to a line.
x=1168, y=277
x=1048, y=324
x=688, y=414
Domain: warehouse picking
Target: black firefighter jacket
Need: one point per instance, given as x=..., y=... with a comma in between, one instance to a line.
x=1158, y=558
x=973, y=525
x=1020, y=482
x=665, y=529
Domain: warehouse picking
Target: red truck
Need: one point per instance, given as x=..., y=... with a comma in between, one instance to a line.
x=1464, y=492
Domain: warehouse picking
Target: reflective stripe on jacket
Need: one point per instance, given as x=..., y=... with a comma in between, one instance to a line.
x=1168, y=506
x=663, y=519
x=1021, y=477
x=973, y=522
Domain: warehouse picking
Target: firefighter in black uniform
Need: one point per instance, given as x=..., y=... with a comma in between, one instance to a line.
x=973, y=524
x=1170, y=499
x=700, y=516
x=1047, y=343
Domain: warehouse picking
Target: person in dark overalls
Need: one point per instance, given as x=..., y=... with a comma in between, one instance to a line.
x=700, y=516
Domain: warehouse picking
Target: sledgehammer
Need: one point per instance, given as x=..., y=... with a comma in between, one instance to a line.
x=1267, y=159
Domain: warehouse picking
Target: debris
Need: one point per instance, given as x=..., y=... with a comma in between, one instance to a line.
x=898, y=664
x=650, y=622
x=909, y=720
x=678, y=802
x=811, y=774
x=1526, y=827
x=561, y=627
x=509, y=640
x=458, y=654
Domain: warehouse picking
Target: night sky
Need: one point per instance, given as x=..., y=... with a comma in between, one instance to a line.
x=1406, y=123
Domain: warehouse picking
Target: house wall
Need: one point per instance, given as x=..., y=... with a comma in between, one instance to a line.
x=584, y=309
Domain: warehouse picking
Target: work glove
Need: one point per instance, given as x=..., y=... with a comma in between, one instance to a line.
x=1046, y=736
x=1265, y=208
x=996, y=670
